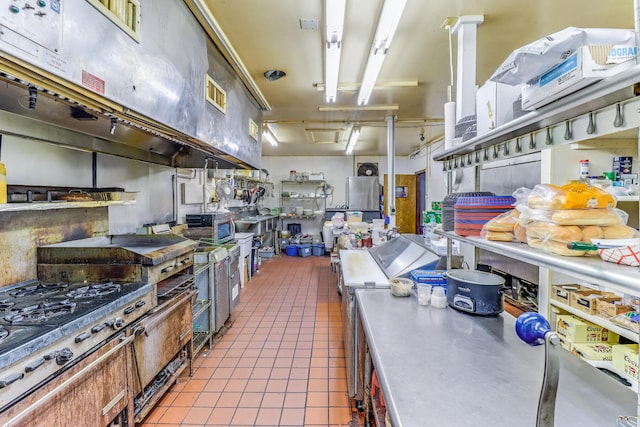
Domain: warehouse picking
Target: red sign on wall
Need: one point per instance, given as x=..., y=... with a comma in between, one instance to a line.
x=92, y=82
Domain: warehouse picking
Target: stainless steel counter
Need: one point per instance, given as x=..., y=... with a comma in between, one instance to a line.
x=441, y=367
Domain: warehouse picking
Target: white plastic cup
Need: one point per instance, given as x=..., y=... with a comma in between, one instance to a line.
x=424, y=293
x=438, y=299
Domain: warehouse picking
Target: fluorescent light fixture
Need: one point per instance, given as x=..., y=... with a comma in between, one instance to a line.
x=387, y=24
x=269, y=136
x=353, y=138
x=334, y=25
x=380, y=107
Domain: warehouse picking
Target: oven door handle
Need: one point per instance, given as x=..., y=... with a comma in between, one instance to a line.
x=170, y=310
x=124, y=341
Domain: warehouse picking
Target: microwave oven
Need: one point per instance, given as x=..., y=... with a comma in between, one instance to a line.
x=220, y=224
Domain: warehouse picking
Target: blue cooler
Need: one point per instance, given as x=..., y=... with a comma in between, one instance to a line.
x=318, y=249
x=292, y=250
x=304, y=250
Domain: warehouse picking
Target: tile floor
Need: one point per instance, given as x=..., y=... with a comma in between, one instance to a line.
x=280, y=363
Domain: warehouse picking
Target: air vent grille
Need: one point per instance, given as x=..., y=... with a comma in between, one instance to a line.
x=124, y=13
x=216, y=95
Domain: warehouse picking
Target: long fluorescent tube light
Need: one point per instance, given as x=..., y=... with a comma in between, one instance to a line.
x=381, y=107
x=334, y=25
x=387, y=24
x=266, y=134
x=353, y=138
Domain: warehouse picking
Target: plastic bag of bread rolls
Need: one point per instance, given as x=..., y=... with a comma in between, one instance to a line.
x=569, y=196
x=581, y=217
x=601, y=217
x=501, y=227
x=553, y=238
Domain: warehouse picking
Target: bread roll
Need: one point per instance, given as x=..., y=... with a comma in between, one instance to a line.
x=500, y=236
x=537, y=202
x=619, y=232
x=591, y=232
x=520, y=232
x=558, y=233
x=503, y=222
x=600, y=217
x=560, y=249
x=534, y=242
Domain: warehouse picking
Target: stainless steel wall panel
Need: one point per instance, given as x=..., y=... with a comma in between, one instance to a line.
x=162, y=77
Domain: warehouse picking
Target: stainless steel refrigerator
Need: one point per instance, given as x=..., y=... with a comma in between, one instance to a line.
x=363, y=193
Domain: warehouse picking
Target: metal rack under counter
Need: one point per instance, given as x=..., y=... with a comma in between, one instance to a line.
x=585, y=268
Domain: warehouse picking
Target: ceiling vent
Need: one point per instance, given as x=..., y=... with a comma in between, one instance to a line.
x=273, y=75
x=323, y=136
x=367, y=169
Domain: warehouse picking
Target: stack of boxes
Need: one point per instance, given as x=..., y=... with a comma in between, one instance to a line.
x=588, y=340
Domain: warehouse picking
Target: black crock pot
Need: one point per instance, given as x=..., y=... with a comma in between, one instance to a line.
x=475, y=292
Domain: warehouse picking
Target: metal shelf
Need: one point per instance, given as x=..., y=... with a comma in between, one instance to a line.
x=302, y=198
x=43, y=206
x=590, y=269
x=200, y=339
x=604, y=94
x=609, y=365
x=200, y=307
x=307, y=182
x=633, y=336
x=628, y=198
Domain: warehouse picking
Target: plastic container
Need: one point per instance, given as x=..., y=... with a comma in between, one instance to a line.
x=424, y=293
x=3, y=184
x=292, y=250
x=448, y=205
x=355, y=216
x=584, y=169
x=438, y=297
x=304, y=250
x=471, y=213
x=317, y=249
x=294, y=228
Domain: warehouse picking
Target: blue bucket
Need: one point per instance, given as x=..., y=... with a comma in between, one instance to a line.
x=304, y=250
x=318, y=249
x=292, y=250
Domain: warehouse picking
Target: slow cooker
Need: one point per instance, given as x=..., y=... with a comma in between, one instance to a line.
x=476, y=292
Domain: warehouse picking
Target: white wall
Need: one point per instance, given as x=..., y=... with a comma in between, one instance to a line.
x=35, y=163
x=335, y=169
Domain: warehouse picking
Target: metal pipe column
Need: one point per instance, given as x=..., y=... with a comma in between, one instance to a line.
x=391, y=167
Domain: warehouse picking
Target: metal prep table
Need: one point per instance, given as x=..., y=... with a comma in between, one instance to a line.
x=358, y=269
x=442, y=367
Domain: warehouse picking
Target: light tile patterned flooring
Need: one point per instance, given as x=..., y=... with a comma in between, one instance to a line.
x=281, y=363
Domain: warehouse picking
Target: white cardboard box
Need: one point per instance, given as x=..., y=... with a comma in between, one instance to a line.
x=494, y=105
x=586, y=66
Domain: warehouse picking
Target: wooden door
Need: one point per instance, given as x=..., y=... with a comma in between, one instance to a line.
x=405, y=193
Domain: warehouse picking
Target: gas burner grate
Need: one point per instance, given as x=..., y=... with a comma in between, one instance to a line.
x=94, y=290
x=6, y=304
x=38, y=289
x=43, y=311
x=3, y=333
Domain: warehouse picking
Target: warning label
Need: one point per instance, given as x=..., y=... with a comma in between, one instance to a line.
x=92, y=82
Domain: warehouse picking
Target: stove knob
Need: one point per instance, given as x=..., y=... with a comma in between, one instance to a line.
x=140, y=304
x=98, y=328
x=83, y=336
x=10, y=379
x=64, y=356
x=129, y=309
x=118, y=323
x=34, y=365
